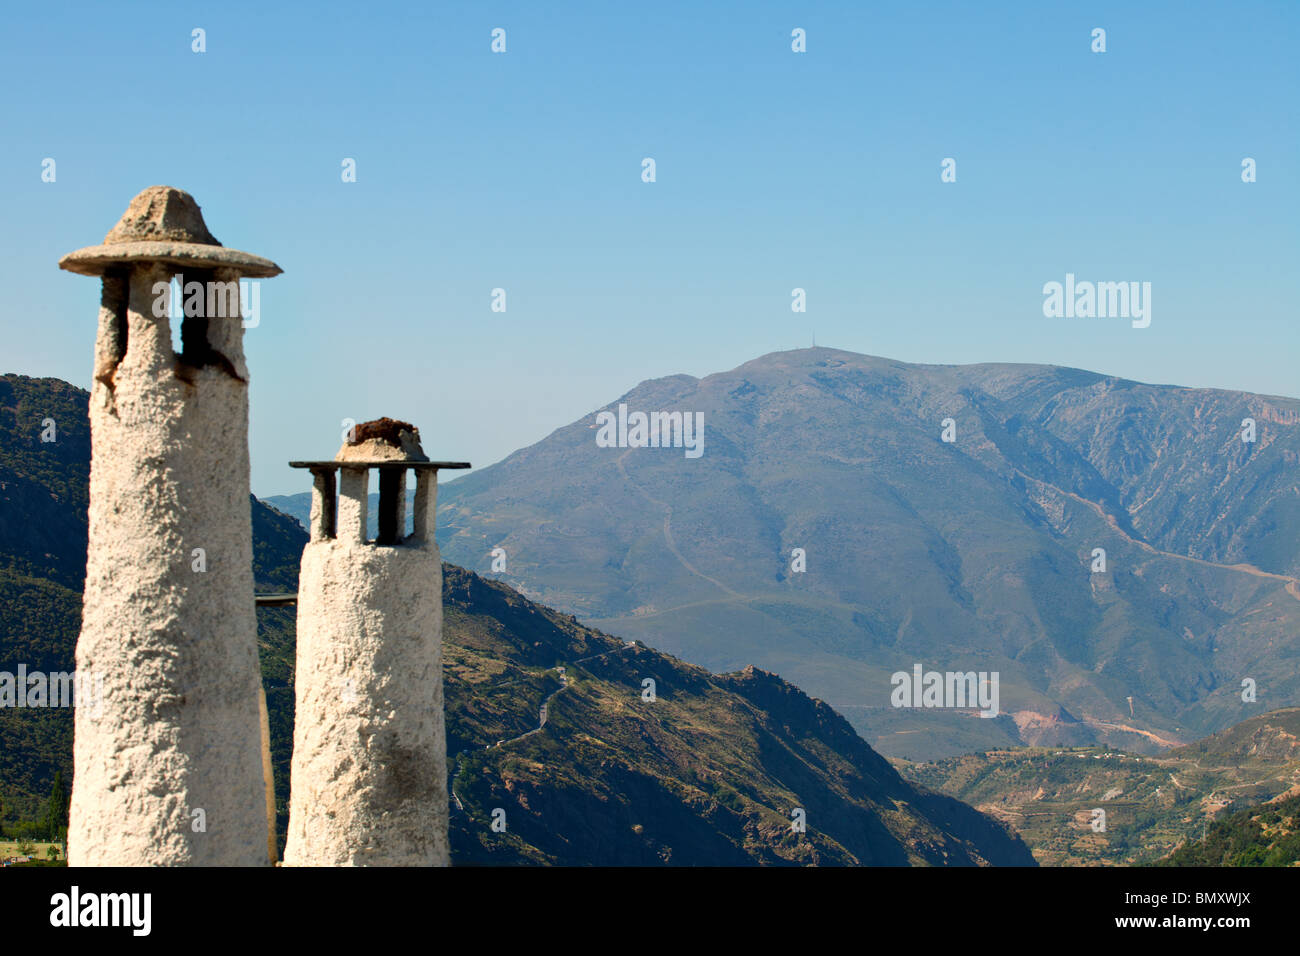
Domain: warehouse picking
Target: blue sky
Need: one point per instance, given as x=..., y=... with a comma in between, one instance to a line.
x=775, y=170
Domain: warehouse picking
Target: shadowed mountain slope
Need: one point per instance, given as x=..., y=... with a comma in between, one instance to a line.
x=708, y=772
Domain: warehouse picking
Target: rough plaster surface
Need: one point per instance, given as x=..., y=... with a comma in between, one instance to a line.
x=163, y=214
x=373, y=450
x=369, y=777
x=178, y=729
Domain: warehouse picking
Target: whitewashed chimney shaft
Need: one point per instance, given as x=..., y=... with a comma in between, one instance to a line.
x=167, y=763
x=368, y=784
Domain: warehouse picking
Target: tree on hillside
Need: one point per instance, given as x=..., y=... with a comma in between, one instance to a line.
x=56, y=808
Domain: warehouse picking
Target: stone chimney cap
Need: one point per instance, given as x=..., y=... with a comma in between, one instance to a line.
x=384, y=439
x=382, y=443
x=164, y=224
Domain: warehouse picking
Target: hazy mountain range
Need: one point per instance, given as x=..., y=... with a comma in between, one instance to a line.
x=975, y=554
x=709, y=772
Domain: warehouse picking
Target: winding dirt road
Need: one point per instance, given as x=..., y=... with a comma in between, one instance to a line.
x=1292, y=584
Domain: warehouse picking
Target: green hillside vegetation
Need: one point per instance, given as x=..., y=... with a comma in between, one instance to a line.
x=1262, y=836
x=44, y=485
x=1153, y=804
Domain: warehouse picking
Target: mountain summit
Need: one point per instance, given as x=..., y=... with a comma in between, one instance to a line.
x=1086, y=538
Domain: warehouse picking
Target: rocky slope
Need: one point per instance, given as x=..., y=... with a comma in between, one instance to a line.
x=708, y=772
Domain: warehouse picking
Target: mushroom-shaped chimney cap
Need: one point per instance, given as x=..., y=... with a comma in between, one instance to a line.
x=164, y=224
